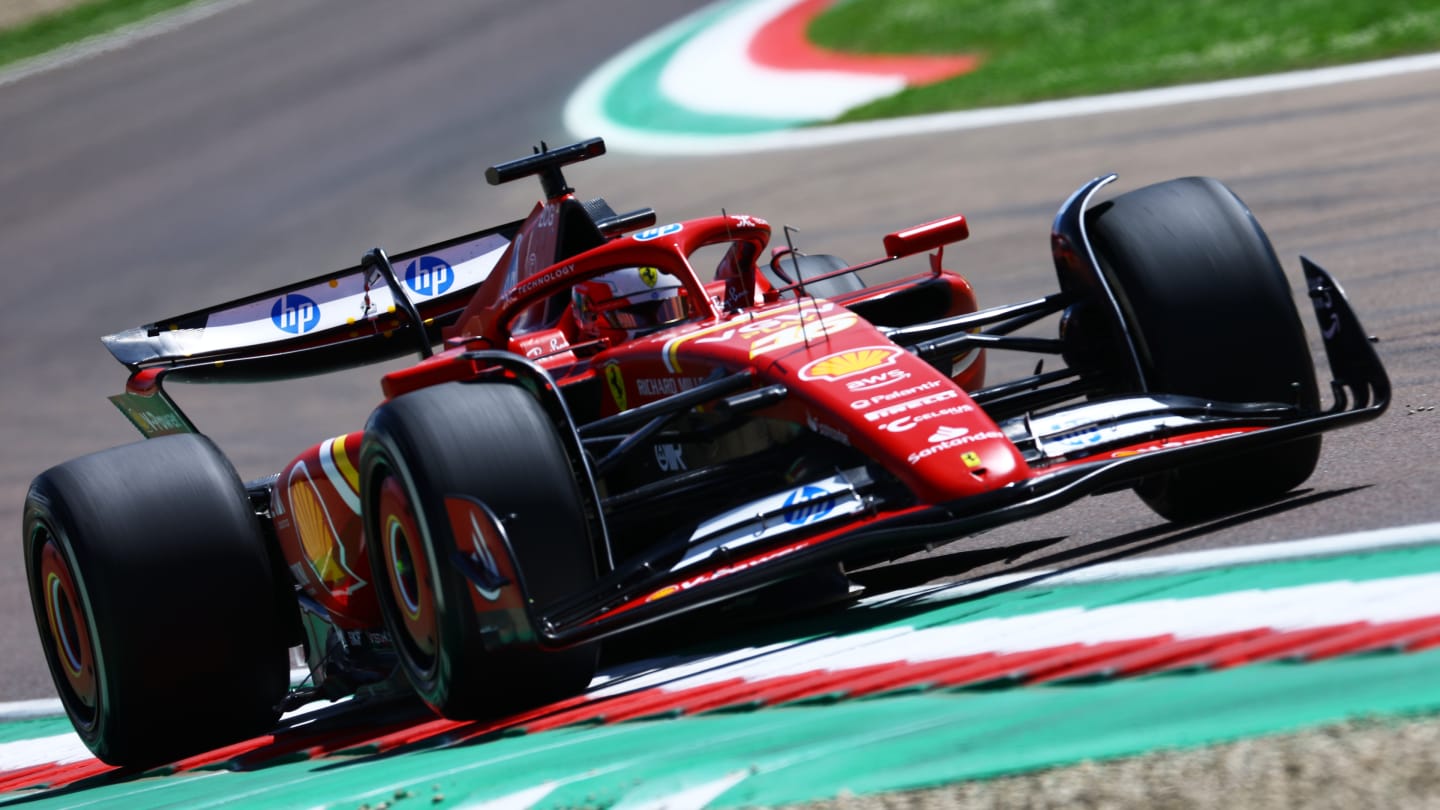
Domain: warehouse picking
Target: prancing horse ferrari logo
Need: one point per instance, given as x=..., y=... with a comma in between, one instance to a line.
x=616, y=381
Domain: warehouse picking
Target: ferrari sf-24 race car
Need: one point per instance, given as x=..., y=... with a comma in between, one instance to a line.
x=613, y=432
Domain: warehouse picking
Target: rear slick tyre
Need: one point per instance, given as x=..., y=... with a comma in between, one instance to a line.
x=1212, y=316
x=156, y=600
x=490, y=444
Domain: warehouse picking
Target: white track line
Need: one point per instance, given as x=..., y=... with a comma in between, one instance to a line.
x=713, y=73
x=584, y=111
x=1421, y=534
x=1183, y=562
x=1299, y=607
x=1287, y=608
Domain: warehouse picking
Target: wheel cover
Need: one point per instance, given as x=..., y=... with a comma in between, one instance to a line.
x=473, y=521
x=69, y=636
x=407, y=569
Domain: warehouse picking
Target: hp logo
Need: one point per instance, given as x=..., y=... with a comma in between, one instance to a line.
x=295, y=313
x=807, y=505
x=655, y=233
x=429, y=276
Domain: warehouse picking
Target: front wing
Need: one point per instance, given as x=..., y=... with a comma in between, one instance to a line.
x=639, y=594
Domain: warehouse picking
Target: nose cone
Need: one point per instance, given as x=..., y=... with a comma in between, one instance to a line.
x=906, y=415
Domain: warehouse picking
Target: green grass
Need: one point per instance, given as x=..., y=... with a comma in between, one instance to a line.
x=1031, y=49
x=1046, y=49
x=51, y=32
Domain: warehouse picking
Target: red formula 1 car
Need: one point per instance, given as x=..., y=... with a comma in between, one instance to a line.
x=625, y=422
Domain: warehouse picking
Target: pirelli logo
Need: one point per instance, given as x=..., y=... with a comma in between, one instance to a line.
x=909, y=405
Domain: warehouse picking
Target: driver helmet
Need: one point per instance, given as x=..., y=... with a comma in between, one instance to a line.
x=627, y=303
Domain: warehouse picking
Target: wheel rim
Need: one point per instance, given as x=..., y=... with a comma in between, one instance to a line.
x=407, y=571
x=68, y=634
x=402, y=566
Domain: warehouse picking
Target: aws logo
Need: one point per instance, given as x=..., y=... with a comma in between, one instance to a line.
x=295, y=313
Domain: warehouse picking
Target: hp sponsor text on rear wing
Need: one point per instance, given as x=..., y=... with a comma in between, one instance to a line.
x=327, y=323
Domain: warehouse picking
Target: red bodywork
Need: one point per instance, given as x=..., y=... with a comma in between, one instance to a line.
x=316, y=504
x=888, y=402
x=698, y=425
x=846, y=380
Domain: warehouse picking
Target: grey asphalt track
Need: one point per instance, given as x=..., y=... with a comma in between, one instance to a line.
x=276, y=141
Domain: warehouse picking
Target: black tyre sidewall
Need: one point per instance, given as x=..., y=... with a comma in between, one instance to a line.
x=494, y=443
x=1212, y=316
x=178, y=589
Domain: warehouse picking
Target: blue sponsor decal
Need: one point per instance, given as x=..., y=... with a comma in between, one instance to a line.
x=813, y=503
x=1078, y=439
x=429, y=276
x=655, y=233
x=295, y=313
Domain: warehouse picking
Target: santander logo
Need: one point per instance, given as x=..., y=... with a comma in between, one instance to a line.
x=948, y=438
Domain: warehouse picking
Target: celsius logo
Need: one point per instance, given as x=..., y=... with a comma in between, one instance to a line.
x=429, y=275
x=807, y=505
x=295, y=313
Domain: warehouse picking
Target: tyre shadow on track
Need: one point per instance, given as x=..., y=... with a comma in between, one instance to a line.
x=1121, y=547
x=917, y=574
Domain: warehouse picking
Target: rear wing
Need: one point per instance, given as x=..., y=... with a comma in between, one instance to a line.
x=327, y=323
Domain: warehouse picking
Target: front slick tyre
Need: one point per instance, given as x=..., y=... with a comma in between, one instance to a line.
x=1212, y=316
x=494, y=446
x=156, y=600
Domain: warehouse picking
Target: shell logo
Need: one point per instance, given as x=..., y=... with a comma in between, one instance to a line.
x=315, y=536
x=668, y=590
x=321, y=523
x=848, y=363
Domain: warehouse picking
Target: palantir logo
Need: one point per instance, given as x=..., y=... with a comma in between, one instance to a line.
x=807, y=505
x=295, y=313
x=429, y=276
